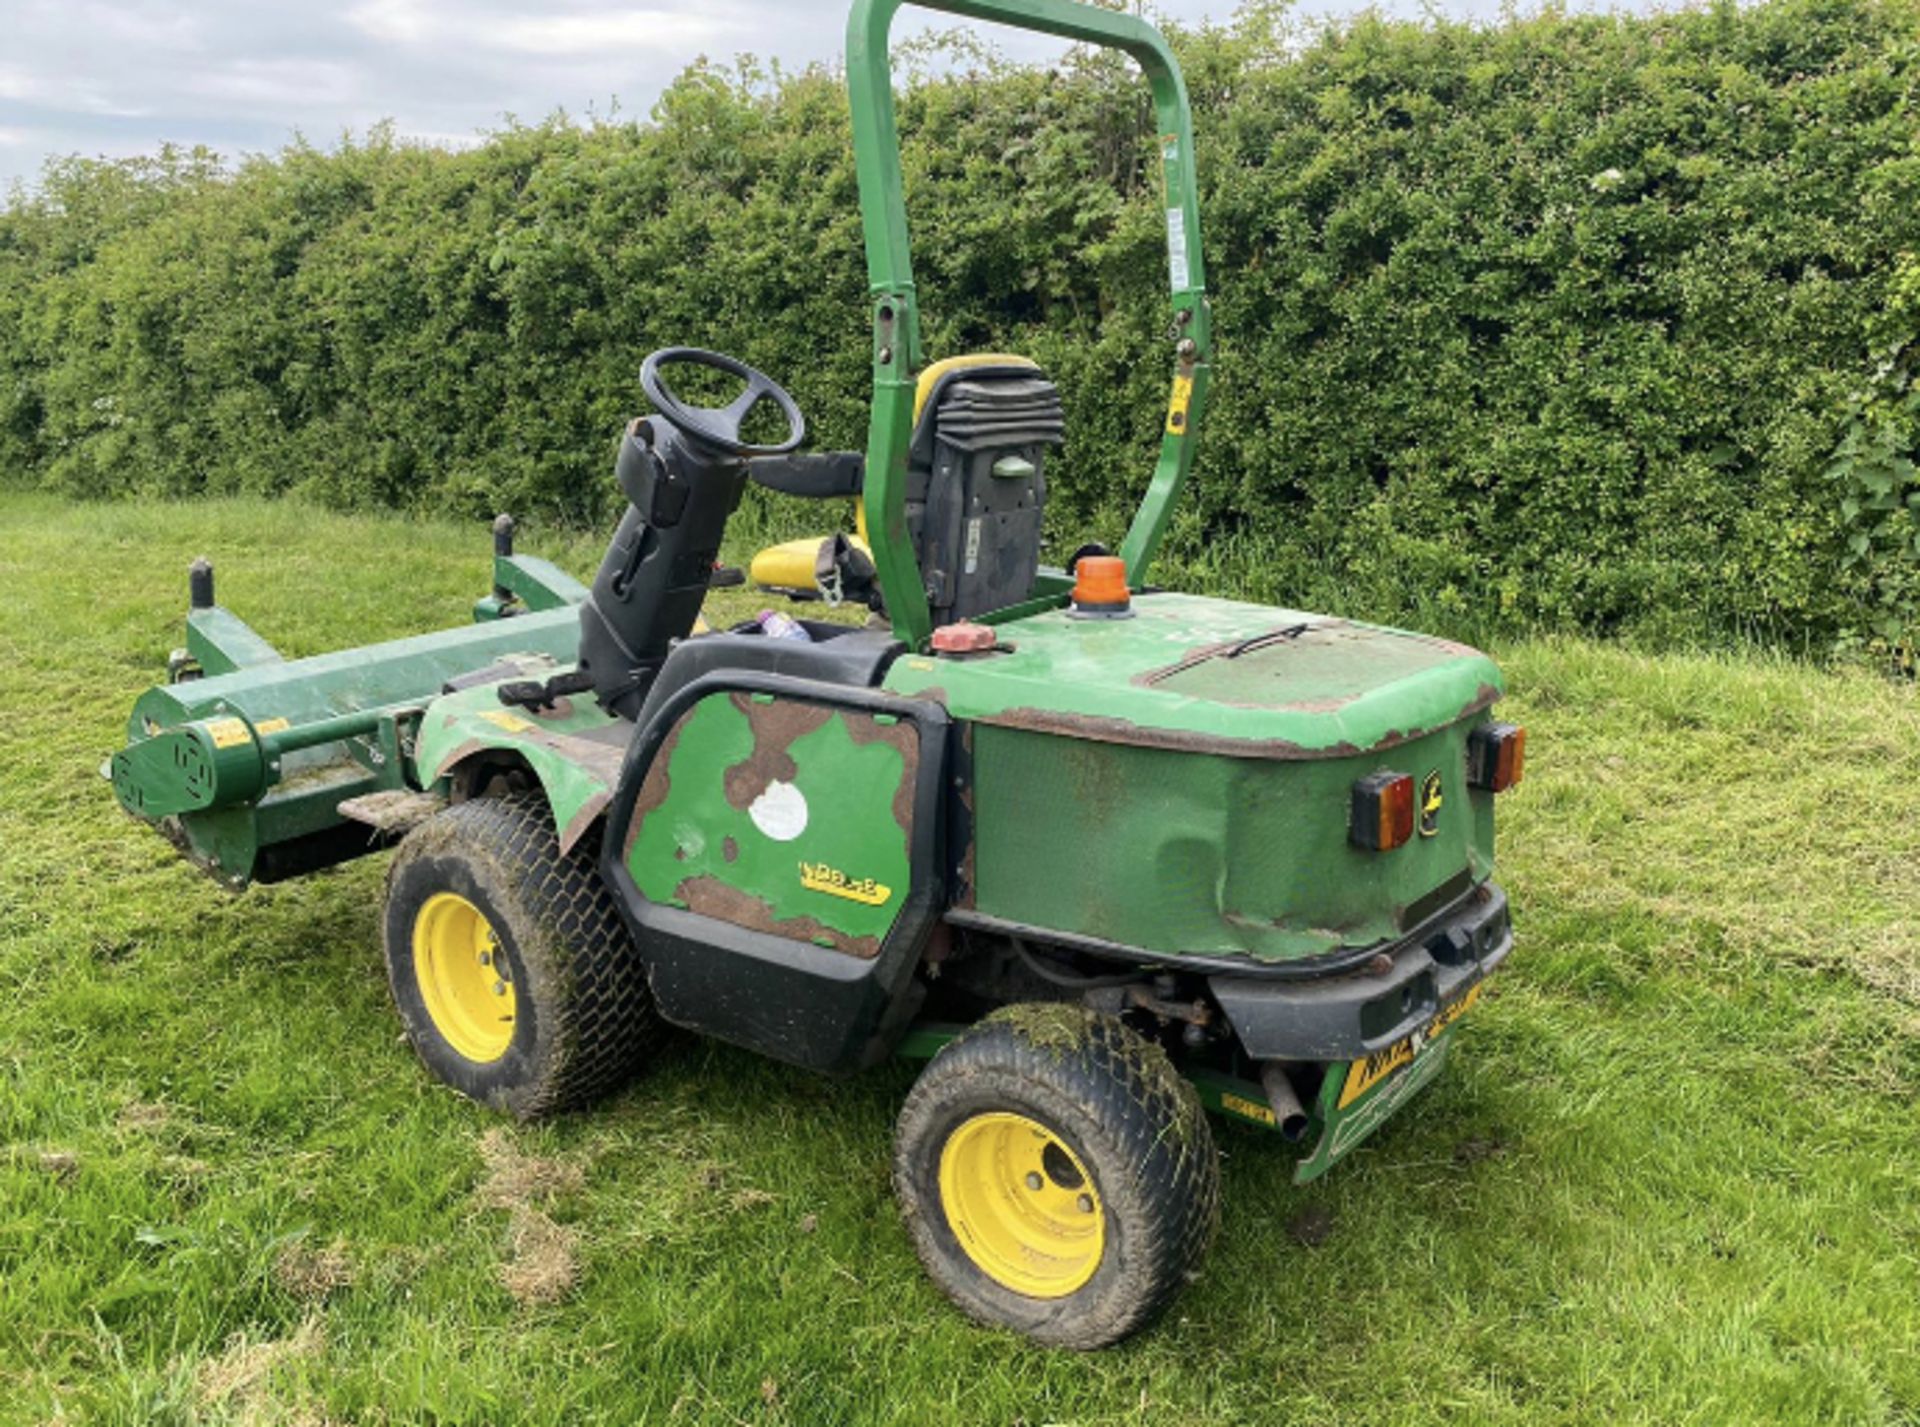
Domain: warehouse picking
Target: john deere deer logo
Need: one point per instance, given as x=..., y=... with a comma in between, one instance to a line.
x=1430, y=801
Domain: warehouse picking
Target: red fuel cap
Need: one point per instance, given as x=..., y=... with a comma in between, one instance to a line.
x=962, y=638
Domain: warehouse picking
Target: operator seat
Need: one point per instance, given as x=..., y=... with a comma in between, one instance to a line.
x=976, y=481
x=976, y=488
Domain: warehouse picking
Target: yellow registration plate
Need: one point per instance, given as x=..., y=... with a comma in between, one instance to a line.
x=1363, y=1075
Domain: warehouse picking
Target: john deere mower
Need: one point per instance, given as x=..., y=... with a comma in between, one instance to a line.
x=1106, y=857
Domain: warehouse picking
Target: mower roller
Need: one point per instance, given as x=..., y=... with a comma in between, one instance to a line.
x=1105, y=856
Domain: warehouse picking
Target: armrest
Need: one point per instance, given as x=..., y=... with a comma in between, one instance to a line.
x=820, y=475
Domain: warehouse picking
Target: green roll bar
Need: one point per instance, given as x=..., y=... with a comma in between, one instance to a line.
x=897, y=357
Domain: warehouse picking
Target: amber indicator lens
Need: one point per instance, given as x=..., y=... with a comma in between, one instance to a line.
x=1496, y=756
x=1382, y=811
x=1100, y=582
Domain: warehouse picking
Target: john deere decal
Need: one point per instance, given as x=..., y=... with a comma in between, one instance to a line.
x=1430, y=801
x=818, y=877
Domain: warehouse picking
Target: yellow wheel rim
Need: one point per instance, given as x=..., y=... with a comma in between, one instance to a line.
x=463, y=978
x=1022, y=1205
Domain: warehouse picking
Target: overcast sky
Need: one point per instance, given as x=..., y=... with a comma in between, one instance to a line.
x=121, y=76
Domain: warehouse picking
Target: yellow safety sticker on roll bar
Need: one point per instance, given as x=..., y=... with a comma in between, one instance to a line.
x=228, y=732
x=1363, y=1075
x=1177, y=408
x=273, y=725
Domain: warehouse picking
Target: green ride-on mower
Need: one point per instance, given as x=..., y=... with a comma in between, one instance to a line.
x=1104, y=856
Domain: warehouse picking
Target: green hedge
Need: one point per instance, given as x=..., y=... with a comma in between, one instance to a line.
x=1557, y=323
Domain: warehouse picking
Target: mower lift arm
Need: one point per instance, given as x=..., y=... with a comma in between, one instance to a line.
x=897, y=355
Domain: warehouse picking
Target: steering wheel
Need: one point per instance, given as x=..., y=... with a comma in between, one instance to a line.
x=719, y=426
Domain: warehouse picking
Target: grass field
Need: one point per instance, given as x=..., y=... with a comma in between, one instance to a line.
x=1671, y=1175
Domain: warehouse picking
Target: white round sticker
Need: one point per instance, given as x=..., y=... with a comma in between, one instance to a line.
x=780, y=812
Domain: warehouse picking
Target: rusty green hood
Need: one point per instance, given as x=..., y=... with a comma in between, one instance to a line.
x=1215, y=676
x=1181, y=782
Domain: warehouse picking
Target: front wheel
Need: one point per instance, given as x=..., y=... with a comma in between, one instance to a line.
x=1057, y=1175
x=511, y=968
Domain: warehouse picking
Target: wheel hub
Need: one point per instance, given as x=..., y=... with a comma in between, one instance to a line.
x=463, y=978
x=1022, y=1205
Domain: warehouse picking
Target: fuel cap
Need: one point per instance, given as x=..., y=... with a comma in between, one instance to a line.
x=963, y=638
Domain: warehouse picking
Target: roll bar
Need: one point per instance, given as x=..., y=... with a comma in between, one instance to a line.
x=897, y=355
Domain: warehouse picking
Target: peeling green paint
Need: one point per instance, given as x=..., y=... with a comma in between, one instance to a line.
x=1188, y=852
x=782, y=816
x=575, y=749
x=1212, y=675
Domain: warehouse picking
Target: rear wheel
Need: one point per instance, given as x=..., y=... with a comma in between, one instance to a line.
x=516, y=979
x=1057, y=1175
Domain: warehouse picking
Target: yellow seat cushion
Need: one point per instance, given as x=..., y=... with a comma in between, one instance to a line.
x=790, y=566
x=930, y=378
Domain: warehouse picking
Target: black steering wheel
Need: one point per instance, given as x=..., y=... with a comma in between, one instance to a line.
x=719, y=426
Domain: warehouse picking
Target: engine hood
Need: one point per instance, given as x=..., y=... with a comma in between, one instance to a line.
x=1213, y=676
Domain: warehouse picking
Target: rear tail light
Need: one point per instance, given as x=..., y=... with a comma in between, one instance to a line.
x=1496, y=756
x=1382, y=811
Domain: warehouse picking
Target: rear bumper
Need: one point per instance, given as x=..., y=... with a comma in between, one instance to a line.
x=1353, y=1015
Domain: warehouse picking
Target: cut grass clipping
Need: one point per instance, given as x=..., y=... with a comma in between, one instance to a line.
x=1669, y=1175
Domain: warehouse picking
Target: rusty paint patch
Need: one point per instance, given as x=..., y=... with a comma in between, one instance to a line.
x=968, y=875
x=708, y=896
x=775, y=726
x=1450, y=646
x=1099, y=729
x=729, y=849
x=583, y=819
x=454, y=757
x=902, y=738
x=600, y=760
x=656, y=785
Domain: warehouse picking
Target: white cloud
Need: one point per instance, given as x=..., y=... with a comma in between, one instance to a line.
x=124, y=76
x=595, y=34
x=591, y=31
x=92, y=101
x=397, y=22
x=280, y=82
x=146, y=24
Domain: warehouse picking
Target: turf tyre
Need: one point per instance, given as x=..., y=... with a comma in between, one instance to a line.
x=1114, y=1099
x=585, y=1020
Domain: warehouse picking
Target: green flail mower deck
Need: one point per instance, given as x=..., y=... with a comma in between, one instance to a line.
x=245, y=759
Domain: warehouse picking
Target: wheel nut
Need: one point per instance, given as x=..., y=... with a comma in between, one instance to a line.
x=499, y=988
x=1085, y=1201
x=1033, y=1180
x=486, y=958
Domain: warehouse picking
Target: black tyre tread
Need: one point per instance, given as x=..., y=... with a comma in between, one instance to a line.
x=1150, y=1142
x=602, y=1018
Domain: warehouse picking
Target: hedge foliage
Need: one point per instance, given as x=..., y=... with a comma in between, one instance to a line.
x=1556, y=323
